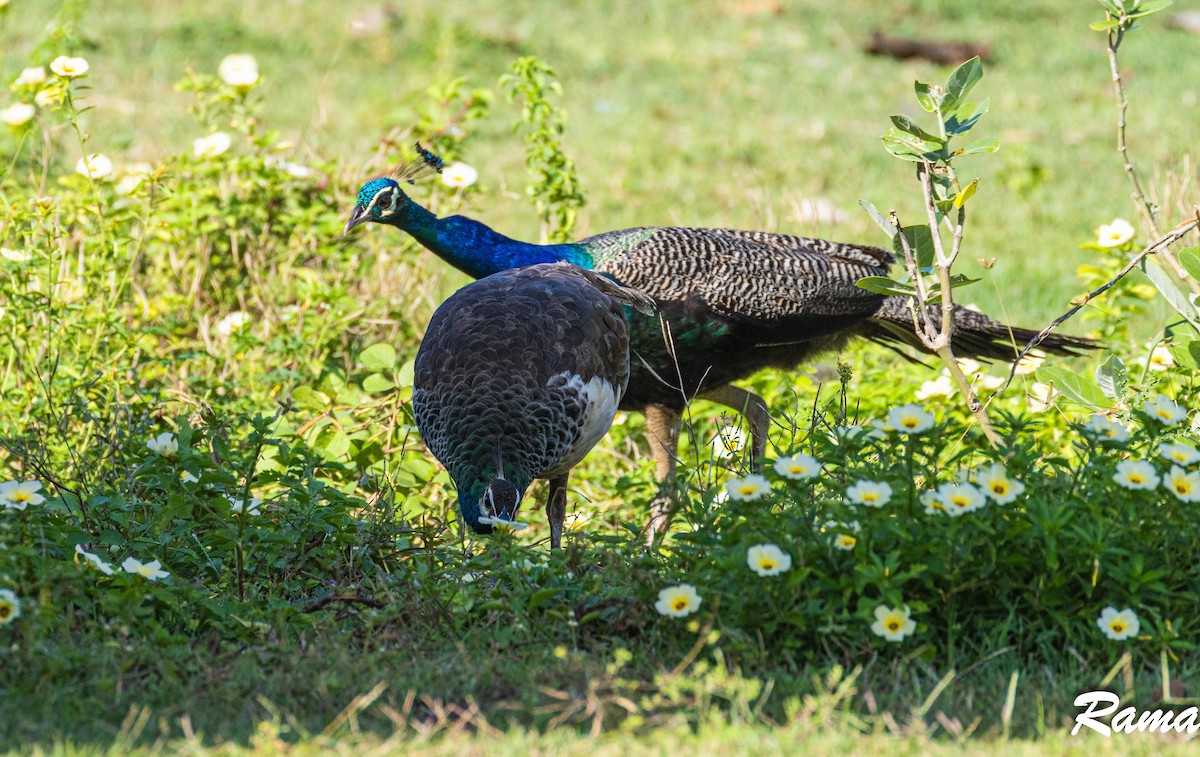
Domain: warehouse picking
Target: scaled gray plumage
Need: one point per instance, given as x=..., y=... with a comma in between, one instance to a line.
x=517, y=378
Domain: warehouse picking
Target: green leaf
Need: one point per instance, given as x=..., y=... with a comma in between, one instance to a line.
x=1187, y=354
x=1077, y=388
x=1111, y=377
x=1189, y=258
x=920, y=241
x=907, y=147
x=1105, y=25
x=1171, y=293
x=376, y=383
x=378, y=357
x=307, y=397
x=987, y=146
x=961, y=198
x=541, y=595
x=908, y=126
x=879, y=218
x=884, y=285
x=967, y=115
x=925, y=96
x=960, y=83
x=332, y=442
x=1148, y=7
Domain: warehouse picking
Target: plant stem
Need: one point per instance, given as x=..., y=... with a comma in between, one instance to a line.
x=1115, y=36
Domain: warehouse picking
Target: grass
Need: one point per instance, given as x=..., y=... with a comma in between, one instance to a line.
x=721, y=114
x=711, y=115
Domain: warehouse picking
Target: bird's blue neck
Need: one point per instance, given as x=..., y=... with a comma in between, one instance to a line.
x=477, y=250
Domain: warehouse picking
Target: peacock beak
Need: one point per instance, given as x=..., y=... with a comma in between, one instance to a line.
x=357, y=216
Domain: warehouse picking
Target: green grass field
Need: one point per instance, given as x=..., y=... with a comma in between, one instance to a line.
x=713, y=114
x=354, y=619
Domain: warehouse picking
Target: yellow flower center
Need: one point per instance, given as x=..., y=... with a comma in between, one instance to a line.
x=848, y=541
x=1162, y=412
x=766, y=563
x=1000, y=487
x=893, y=624
x=21, y=497
x=5, y=610
x=679, y=603
x=869, y=497
x=1117, y=626
x=960, y=500
x=937, y=505
x=1182, y=487
x=747, y=489
x=909, y=422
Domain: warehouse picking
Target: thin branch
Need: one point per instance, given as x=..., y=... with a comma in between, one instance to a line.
x=1115, y=36
x=1166, y=240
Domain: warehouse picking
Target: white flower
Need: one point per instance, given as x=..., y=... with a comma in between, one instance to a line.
x=212, y=145
x=151, y=570
x=1105, y=430
x=94, y=166
x=1179, y=453
x=16, y=256
x=909, y=419
x=164, y=445
x=1160, y=358
x=1030, y=362
x=678, y=601
x=132, y=178
x=968, y=366
x=933, y=503
x=235, y=321
x=48, y=97
x=748, y=489
x=239, y=70
x=1040, y=397
x=31, y=77
x=17, y=114
x=798, y=466
x=188, y=477
x=995, y=483
x=1114, y=234
x=729, y=440
x=1165, y=410
x=239, y=505
x=942, y=386
x=1136, y=474
x=1185, y=486
x=845, y=541
x=17, y=495
x=869, y=493
x=10, y=607
x=459, y=175
x=768, y=560
x=893, y=624
x=1119, y=626
x=94, y=561
x=960, y=498
x=988, y=382
x=69, y=68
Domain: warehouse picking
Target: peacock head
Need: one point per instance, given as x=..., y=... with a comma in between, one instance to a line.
x=496, y=506
x=383, y=201
x=379, y=200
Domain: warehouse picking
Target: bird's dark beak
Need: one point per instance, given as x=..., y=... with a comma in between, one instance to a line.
x=357, y=216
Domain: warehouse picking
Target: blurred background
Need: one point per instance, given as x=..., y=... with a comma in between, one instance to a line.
x=761, y=114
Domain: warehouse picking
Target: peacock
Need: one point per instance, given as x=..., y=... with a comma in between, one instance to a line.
x=730, y=302
x=519, y=375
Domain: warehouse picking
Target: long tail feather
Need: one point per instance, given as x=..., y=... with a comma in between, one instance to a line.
x=975, y=334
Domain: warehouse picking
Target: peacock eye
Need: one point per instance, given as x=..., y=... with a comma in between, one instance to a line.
x=385, y=202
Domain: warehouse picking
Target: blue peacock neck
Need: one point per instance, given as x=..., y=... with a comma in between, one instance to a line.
x=476, y=249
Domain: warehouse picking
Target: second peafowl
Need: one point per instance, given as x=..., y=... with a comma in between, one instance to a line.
x=731, y=303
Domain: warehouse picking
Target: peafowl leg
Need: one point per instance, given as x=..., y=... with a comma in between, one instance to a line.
x=556, y=508
x=751, y=407
x=662, y=428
